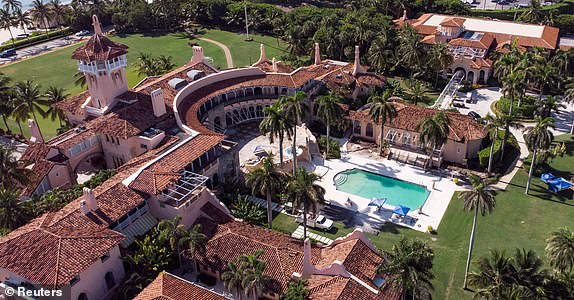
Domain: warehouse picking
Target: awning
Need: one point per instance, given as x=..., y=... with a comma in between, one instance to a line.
x=401, y=210
x=377, y=201
x=258, y=149
x=547, y=177
x=559, y=184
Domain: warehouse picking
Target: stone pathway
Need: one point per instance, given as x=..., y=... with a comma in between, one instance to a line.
x=225, y=50
x=298, y=234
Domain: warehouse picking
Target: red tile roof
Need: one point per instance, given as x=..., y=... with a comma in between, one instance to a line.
x=99, y=48
x=73, y=104
x=169, y=287
x=453, y=22
x=479, y=63
x=462, y=128
x=483, y=43
x=341, y=288
x=53, y=255
x=39, y=171
x=35, y=151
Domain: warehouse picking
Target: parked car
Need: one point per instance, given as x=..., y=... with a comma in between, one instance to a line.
x=8, y=53
x=474, y=115
x=319, y=222
x=22, y=36
x=82, y=33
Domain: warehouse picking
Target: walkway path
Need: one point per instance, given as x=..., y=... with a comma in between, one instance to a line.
x=225, y=50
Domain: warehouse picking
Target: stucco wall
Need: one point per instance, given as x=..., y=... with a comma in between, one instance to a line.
x=92, y=280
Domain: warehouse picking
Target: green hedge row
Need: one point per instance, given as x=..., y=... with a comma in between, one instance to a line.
x=484, y=154
x=566, y=7
x=37, y=39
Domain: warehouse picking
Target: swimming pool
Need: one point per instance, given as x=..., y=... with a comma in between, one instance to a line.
x=368, y=185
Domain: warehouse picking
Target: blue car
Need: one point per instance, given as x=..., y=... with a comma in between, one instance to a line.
x=8, y=53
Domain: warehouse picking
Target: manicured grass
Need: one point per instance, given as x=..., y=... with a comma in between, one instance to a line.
x=430, y=96
x=57, y=68
x=518, y=221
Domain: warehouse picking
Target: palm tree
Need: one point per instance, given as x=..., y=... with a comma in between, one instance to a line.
x=296, y=291
x=441, y=58
x=12, y=214
x=170, y=232
x=7, y=20
x=247, y=211
x=295, y=108
x=416, y=91
x=409, y=266
x=560, y=250
x=277, y=125
x=533, y=14
x=57, y=11
x=254, y=279
x=493, y=276
x=12, y=5
x=165, y=63
x=54, y=95
x=513, y=85
x=545, y=74
x=194, y=240
x=267, y=181
x=569, y=92
x=434, y=131
x=381, y=53
x=5, y=99
x=146, y=65
x=80, y=79
x=410, y=49
x=383, y=111
x=479, y=198
x=22, y=19
x=330, y=112
x=11, y=170
x=303, y=191
x=493, y=123
x=538, y=137
x=30, y=100
x=233, y=278
x=508, y=121
x=548, y=105
x=40, y=12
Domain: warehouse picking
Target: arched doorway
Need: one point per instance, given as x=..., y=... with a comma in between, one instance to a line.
x=481, y=78
x=460, y=69
x=83, y=296
x=217, y=121
x=110, y=281
x=470, y=76
x=215, y=179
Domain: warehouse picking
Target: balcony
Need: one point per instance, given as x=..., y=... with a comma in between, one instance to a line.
x=99, y=66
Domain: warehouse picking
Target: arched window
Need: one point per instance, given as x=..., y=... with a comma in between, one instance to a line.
x=252, y=112
x=215, y=179
x=258, y=91
x=83, y=296
x=110, y=281
x=259, y=111
x=369, y=130
x=357, y=127
x=228, y=120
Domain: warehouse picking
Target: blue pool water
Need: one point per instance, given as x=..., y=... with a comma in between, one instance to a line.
x=368, y=185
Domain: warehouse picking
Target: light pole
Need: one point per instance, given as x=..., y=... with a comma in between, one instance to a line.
x=246, y=20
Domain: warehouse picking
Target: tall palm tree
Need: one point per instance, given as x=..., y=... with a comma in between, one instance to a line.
x=409, y=266
x=493, y=276
x=266, y=180
x=303, y=191
x=410, y=49
x=170, y=231
x=54, y=95
x=440, y=59
x=434, y=131
x=12, y=5
x=513, y=85
x=5, y=99
x=255, y=280
x=560, y=250
x=548, y=105
x=296, y=109
x=277, y=125
x=479, y=198
x=545, y=74
x=80, y=79
x=30, y=100
x=381, y=52
x=22, y=19
x=330, y=112
x=508, y=121
x=12, y=170
x=194, y=240
x=383, y=111
x=7, y=20
x=233, y=277
x=416, y=91
x=493, y=123
x=57, y=10
x=41, y=13
x=12, y=214
x=538, y=137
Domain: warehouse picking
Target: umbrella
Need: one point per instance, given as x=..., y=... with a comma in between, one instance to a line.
x=377, y=201
x=401, y=210
x=258, y=149
x=546, y=177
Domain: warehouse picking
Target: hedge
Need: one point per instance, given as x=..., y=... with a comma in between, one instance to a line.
x=35, y=40
x=484, y=154
x=566, y=7
x=334, y=147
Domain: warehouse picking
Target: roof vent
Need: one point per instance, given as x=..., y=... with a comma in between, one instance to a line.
x=177, y=83
x=195, y=74
x=326, y=67
x=339, y=76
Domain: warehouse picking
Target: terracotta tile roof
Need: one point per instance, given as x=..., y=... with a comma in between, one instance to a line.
x=215, y=214
x=479, y=63
x=39, y=171
x=35, y=151
x=462, y=128
x=71, y=138
x=483, y=43
x=156, y=177
x=170, y=287
x=341, y=288
x=430, y=39
x=267, y=66
x=453, y=22
x=53, y=255
x=99, y=48
x=282, y=254
x=73, y=104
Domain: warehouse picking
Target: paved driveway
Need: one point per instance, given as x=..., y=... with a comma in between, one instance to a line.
x=482, y=98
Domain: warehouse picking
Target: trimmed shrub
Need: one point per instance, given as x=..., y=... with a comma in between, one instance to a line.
x=525, y=110
x=334, y=147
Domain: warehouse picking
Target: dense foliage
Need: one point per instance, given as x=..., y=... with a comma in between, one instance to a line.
x=335, y=147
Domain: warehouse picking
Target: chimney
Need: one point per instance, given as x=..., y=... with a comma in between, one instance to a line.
x=157, y=102
x=404, y=17
x=308, y=267
x=197, y=55
x=90, y=199
x=357, y=67
x=96, y=24
x=36, y=135
x=84, y=207
x=317, y=54
x=274, y=65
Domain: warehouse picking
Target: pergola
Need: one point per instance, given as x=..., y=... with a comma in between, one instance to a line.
x=185, y=186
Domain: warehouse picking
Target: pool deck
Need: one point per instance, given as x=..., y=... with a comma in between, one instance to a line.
x=433, y=209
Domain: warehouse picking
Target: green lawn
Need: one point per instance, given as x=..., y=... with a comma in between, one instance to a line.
x=518, y=221
x=57, y=68
x=430, y=96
